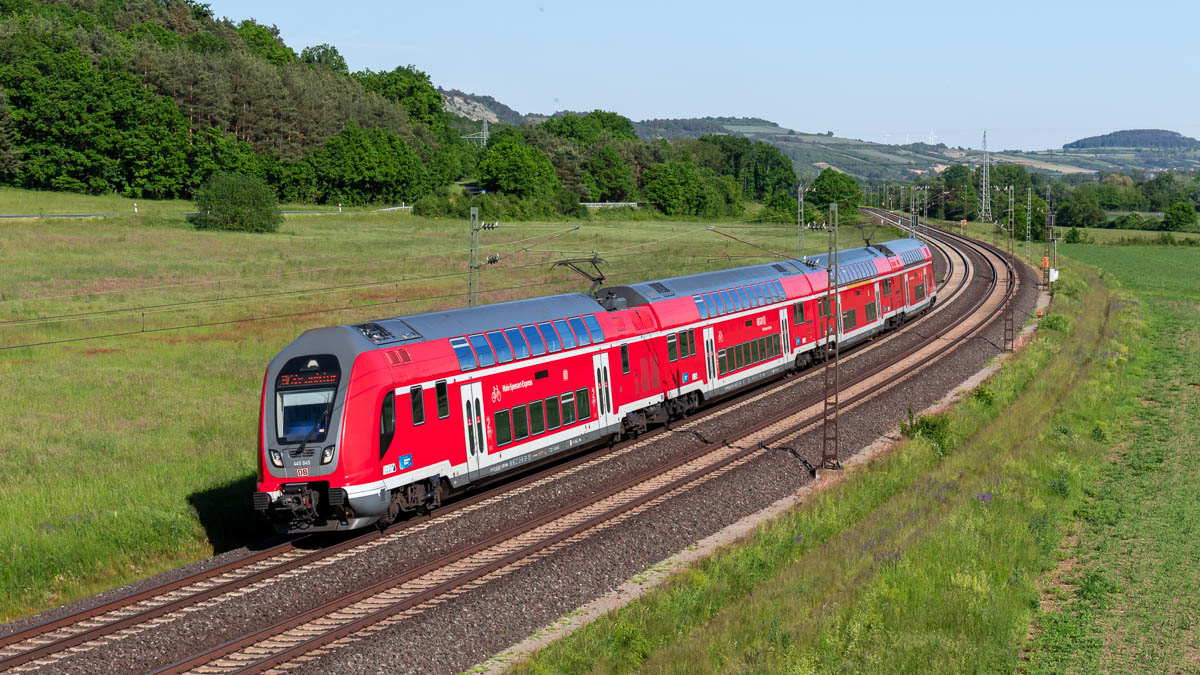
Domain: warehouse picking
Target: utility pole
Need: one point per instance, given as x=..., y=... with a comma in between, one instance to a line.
x=473, y=267
x=985, y=191
x=1028, y=218
x=829, y=444
x=1010, y=331
x=801, y=188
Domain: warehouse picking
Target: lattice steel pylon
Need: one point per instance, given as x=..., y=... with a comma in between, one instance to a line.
x=829, y=424
x=985, y=188
x=473, y=265
x=480, y=137
x=1010, y=329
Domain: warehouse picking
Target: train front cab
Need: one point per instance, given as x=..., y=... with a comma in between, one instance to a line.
x=304, y=437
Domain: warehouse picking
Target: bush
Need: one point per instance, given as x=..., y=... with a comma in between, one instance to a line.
x=236, y=202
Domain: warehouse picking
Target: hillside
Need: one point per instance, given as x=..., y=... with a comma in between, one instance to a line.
x=1135, y=138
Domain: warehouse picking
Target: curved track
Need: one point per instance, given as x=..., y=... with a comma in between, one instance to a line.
x=405, y=593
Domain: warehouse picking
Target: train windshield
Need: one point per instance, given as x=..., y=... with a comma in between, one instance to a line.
x=303, y=415
x=304, y=393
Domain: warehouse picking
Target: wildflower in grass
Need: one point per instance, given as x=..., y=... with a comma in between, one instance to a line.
x=985, y=497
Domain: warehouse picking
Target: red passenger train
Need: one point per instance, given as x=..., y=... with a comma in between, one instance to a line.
x=359, y=423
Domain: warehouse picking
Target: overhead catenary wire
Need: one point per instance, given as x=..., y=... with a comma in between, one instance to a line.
x=281, y=273
x=273, y=317
x=153, y=309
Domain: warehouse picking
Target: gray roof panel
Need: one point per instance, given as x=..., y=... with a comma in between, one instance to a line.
x=470, y=320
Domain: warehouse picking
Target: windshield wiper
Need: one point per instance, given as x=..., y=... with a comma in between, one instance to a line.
x=324, y=418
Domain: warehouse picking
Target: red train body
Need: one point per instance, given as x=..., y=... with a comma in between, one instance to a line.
x=359, y=423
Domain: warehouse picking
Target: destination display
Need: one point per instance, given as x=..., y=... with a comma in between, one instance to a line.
x=307, y=379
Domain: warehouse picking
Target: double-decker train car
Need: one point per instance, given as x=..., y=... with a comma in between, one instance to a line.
x=359, y=423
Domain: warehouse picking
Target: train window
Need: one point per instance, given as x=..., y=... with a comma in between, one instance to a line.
x=740, y=301
x=552, y=418
x=798, y=313
x=568, y=408
x=470, y=424
x=418, y=405
x=778, y=345
x=692, y=341
x=387, y=423
x=728, y=301
x=700, y=306
x=754, y=353
x=443, y=400
x=537, y=418
x=503, y=351
x=762, y=349
x=483, y=349
x=777, y=290
x=581, y=333
x=536, y=346
x=870, y=311
x=721, y=369
x=520, y=423
x=520, y=347
x=739, y=356
x=583, y=405
x=672, y=351
x=593, y=327
x=849, y=320
x=551, y=337
x=758, y=294
x=502, y=423
x=919, y=292
x=716, y=298
x=708, y=302
x=466, y=357
x=564, y=332
x=624, y=359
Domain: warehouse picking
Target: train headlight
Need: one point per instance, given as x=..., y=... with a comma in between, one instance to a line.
x=327, y=455
x=277, y=459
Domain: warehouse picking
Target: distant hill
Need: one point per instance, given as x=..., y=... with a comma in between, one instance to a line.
x=697, y=127
x=477, y=107
x=1130, y=150
x=1136, y=138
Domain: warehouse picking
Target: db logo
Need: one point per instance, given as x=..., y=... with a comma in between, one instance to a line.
x=301, y=472
x=496, y=394
x=564, y=374
x=720, y=336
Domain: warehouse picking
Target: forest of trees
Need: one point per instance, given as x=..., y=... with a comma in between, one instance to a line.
x=1142, y=201
x=1135, y=138
x=149, y=98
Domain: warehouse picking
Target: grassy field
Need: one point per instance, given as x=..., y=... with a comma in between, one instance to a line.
x=928, y=560
x=1124, y=598
x=124, y=456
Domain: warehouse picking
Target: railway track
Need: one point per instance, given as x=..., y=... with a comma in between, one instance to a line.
x=404, y=594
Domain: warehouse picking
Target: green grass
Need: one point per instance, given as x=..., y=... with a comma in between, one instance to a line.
x=927, y=560
x=1128, y=600
x=125, y=456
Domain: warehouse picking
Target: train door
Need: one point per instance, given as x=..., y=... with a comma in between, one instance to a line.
x=476, y=439
x=785, y=332
x=710, y=356
x=604, y=409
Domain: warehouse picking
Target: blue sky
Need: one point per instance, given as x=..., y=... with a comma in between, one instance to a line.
x=1035, y=74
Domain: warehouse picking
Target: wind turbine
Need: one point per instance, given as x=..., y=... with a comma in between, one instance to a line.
x=932, y=137
x=886, y=136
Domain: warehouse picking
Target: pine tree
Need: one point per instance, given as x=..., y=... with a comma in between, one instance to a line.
x=10, y=154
